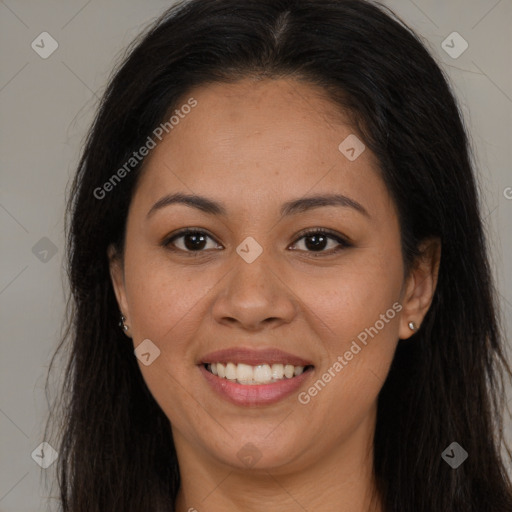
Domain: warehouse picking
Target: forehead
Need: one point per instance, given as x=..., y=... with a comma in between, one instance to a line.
x=252, y=140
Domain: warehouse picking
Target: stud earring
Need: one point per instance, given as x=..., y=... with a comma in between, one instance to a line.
x=413, y=326
x=122, y=324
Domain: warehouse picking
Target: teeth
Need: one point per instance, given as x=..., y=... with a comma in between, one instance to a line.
x=260, y=374
x=277, y=371
x=289, y=371
x=230, y=371
x=244, y=373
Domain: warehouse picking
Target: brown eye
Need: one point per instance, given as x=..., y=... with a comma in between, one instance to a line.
x=189, y=241
x=318, y=241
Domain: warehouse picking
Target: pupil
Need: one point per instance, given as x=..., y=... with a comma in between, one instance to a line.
x=319, y=243
x=198, y=241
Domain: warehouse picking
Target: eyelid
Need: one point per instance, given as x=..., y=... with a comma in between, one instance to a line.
x=343, y=239
x=183, y=232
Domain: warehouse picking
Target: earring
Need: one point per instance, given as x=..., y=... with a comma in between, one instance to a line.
x=413, y=326
x=122, y=324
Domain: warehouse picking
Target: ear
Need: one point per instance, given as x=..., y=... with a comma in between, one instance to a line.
x=117, y=277
x=420, y=286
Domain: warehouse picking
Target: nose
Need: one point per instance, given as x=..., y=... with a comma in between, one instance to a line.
x=255, y=296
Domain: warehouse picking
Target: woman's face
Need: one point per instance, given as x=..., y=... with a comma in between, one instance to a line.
x=251, y=289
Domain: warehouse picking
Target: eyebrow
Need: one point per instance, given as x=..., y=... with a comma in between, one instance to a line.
x=289, y=208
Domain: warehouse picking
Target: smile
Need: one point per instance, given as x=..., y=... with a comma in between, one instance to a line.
x=254, y=377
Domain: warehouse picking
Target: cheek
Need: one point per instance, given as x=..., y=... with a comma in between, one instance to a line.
x=165, y=305
x=354, y=295
x=164, y=298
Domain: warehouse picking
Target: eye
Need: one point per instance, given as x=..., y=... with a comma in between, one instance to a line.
x=316, y=240
x=194, y=240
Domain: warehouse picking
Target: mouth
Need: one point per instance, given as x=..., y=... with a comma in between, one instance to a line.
x=251, y=375
x=248, y=377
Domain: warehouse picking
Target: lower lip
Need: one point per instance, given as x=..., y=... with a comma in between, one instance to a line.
x=254, y=394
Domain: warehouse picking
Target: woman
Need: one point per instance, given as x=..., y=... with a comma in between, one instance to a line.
x=277, y=200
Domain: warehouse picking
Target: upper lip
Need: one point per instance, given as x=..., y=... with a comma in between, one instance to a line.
x=253, y=357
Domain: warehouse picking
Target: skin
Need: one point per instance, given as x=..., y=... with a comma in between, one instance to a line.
x=254, y=145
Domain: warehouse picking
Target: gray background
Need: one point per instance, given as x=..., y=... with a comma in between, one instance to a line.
x=46, y=106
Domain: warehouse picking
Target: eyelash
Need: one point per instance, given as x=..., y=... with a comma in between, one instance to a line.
x=344, y=243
